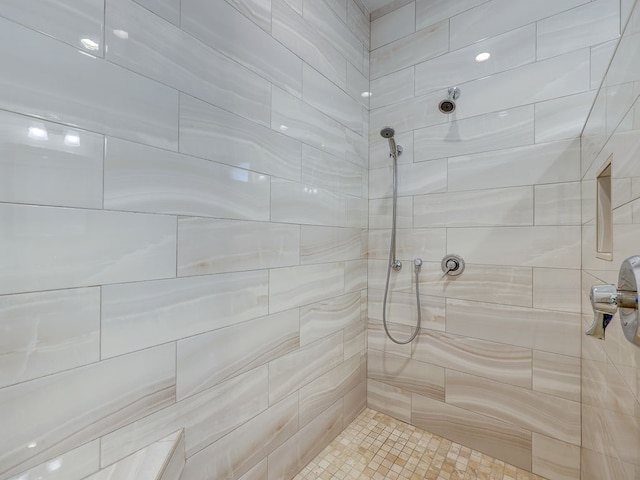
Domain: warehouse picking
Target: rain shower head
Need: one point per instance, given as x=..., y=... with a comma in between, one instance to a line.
x=448, y=105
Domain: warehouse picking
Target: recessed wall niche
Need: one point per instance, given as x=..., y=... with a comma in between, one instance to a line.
x=604, y=213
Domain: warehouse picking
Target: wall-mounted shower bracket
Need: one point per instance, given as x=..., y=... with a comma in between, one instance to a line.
x=607, y=299
x=452, y=265
x=399, y=151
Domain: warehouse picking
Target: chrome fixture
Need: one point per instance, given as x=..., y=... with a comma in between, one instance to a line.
x=607, y=299
x=452, y=265
x=448, y=105
x=394, y=263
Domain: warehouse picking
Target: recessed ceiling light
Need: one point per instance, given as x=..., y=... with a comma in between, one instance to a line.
x=38, y=132
x=483, y=57
x=366, y=94
x=89, y=44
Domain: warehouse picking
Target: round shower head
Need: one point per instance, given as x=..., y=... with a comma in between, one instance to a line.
x=387, y=132
x=447, y=106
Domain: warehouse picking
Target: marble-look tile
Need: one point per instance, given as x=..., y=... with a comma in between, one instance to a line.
x=328, y=317
x=481, y=432
x=80, y=25
x=558, y=204
x=355, y=275
x=329, y=388
x=495, y=207
x=128, y=106
x=167, y=9
x=259, y=472
x=380, y=212
x=355, y=340
x=603, y=384
x=509, y=51
x=146, y=464
x=596, y=466
x=258, y=11
x=552, y=416
x=556, y=289
x=556, y=374
x=492, y=131
x=401, y=281
x=552, y=458
x=388, y=399
x=238, y=452
x=377, y=339
x=47, y=332
x=139, y=315
x=379, y=153
x=207, y=245
x=301, y=448
x=294, y=370
x=323, y=169
x=392, y=26
x=75, y=464
x=392, y=88
x=319, y=92
x=526, y=246
x=209, y=132
x=357, y=148
x=495, y=361
x=210, y=358
x=292, y=287
x=321, y=18
x=600, y=58
x=222, y=27
x=303, y=122
x=501, y=16
x=44, y=412
x=47, y=248
x=562, y=118
x=536, y=164
x=355, y=402
x=590, y=24
x=359, y=22
x=146, y=179
x=357, y=84
x=169, y=55
x=410, y=50
x=489, y=283
x=206, y=417
x=407, y=374
x=413, y=179
x=356, y=211
x=402, y=309
x=568, y=74
x=298, y=36
x=429, y=244
x=175, y=463
x=611, y=433
x=49, y=164
x=557, y=332
x=429, y=12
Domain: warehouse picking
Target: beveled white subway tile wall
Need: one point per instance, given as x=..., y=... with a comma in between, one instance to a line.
x=218, y=25
x=47, y=332
x=173, y=172
x=129, y=105
x=48, y=248
x=162, y=311
x=79, y=25
x=208, y=245
x=210, y=132
x=589, y=24
x=498, y=16
x=49, y=164
x=139, y=178
x=488, y=132
x=167, y=54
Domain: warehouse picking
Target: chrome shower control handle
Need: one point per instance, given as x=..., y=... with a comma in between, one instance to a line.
x=604, y=301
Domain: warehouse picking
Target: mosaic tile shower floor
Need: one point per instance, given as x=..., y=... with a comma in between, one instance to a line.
x=376, y=446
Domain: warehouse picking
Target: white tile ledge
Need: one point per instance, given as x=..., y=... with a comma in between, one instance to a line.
x=162, y=460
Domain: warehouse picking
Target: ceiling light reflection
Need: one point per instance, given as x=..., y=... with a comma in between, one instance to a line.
x=483, y=57
x=38, y=131
x=89, y=44
x=123, y=34
x=72, y=139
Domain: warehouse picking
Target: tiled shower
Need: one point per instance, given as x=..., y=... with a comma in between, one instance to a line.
x=195, y=217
